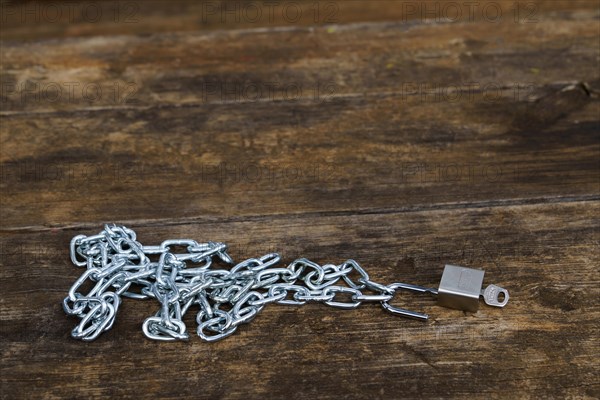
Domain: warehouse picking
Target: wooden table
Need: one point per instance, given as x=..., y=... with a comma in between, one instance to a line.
x=405, y=135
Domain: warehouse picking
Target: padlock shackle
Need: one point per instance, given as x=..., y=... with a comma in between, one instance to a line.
x=404, y=312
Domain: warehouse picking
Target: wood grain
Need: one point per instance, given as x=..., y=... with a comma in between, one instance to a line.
x=402, y=142
x=300, y=158
x=179, y=151
x=543, y=343
x=441, y=63
x=28, y=20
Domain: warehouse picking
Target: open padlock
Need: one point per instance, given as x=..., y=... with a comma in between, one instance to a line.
x=460, y=288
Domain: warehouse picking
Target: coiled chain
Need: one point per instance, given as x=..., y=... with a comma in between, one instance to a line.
x=119, y=266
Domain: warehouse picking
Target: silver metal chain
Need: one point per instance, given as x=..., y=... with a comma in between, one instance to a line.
x=117, y=266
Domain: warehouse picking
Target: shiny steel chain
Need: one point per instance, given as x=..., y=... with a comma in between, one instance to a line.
x=117, y=266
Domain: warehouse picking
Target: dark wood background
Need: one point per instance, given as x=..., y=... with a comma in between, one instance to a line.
x=365, y=132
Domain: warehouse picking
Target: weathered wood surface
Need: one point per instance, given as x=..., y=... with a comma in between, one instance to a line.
x=543, y=344
x=32, y=20
x=417, y=151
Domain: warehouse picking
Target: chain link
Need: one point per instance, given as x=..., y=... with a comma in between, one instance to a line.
x=117, y=265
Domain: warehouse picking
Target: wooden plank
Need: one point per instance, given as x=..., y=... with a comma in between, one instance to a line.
x=435, y=62
x=424, y=141
x=232, y=161
x=543, y=344
x=44, y=19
